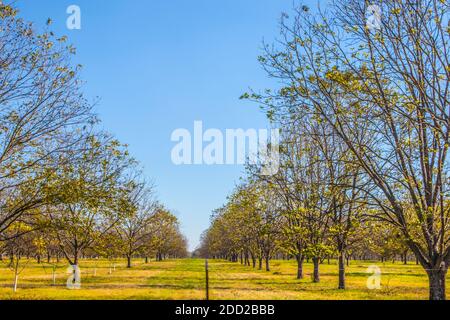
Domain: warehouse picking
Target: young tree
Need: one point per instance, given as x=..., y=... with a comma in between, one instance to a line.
x=20, y=248
x=135, y=230
x=89, y=195
x=110, y=247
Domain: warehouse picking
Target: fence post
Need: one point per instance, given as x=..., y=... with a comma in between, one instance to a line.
x=207, y=279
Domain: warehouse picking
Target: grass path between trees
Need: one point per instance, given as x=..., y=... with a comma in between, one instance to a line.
x=185, y=279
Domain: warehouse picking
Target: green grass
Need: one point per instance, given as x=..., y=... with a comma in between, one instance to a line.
x=184, y=279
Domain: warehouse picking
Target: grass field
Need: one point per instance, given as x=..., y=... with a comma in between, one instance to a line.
x=184, y=279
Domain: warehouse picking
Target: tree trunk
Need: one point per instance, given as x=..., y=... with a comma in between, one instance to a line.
x=300, y=258
x=316, y=276
x=260, y=264
x=146, y=259
x=341, y=270
x=54, y=276
x=267, y=264
x=128, y=261
x=16, y=278
x=437, y=284
x=75, y=268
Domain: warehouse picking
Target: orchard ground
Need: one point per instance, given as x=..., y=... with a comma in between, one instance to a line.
x=185, y=279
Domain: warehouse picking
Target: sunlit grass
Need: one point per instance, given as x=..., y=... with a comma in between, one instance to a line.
x=185, y=279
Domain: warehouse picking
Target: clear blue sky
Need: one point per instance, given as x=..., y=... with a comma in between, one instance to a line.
x=158, y=65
